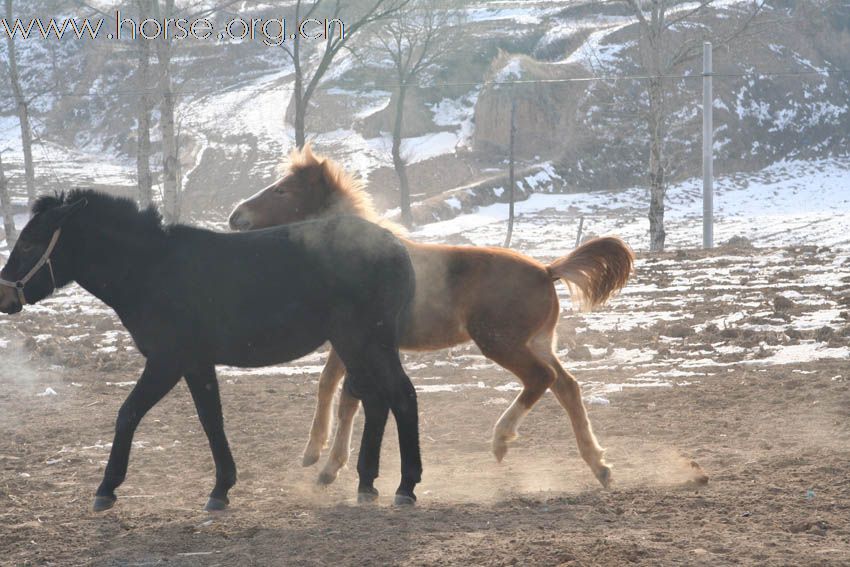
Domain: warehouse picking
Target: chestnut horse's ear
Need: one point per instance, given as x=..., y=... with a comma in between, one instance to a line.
x=65, y=212
x=327, y=175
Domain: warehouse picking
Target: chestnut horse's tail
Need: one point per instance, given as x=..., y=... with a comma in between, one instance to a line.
x=595, y=270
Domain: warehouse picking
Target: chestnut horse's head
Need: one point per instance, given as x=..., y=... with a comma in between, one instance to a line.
x=312, y=186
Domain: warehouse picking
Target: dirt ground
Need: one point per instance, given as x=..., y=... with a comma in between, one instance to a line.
x=774, y=438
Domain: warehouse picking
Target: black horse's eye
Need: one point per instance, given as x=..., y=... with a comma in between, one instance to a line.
x=26, y=247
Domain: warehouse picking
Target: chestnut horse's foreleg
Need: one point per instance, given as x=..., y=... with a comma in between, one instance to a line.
x=203, y=386
x=158, y=378
x=329, y=381
x=568, y=392
x=341, y=449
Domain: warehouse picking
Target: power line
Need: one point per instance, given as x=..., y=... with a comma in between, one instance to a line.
x=564, y=80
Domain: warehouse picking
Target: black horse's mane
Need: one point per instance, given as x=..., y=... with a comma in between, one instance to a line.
x=116, y=211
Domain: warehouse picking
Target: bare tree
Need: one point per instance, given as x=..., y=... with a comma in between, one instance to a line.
x=145, y=107
x=415, y=39
x=661, y=52
x=6, y=207
x=170, y=148
x=338, y=35
x=22, y=106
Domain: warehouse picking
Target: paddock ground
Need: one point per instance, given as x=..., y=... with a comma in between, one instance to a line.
x=759, y=401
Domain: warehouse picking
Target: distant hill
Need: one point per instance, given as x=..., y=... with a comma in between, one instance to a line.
x=234, y=100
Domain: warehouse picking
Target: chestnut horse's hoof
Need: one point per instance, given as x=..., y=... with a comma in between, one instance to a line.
x=604, y=476
x=326, y=478
x=216, y=505
x=367, y=495
x=103, y=503
x=310, y=458
x=404, y=500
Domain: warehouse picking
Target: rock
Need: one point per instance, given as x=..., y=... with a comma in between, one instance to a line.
x=793, y=333
x=580, y=352
x=698, y=478
x=782, y=303
x=677, y=331
x=739, y=242
x=824, y=334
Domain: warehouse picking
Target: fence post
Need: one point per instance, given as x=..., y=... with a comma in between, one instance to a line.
x=707, y=147
x=511, y=180
x=578, y=235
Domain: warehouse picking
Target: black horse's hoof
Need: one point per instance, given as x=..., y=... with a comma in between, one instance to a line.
x=604, y=477
x=103, y=503
x=216, y=505
x=404, y=500
x=367, y=495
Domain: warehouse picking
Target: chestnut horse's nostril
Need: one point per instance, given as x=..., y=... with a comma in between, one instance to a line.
x=238, y=221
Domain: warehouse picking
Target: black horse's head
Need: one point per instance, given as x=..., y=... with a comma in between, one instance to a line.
x=30, y=275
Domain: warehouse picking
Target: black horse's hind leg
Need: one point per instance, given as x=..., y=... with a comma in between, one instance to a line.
x=158, y=378
x=203, y=385
x=406, y=413
x=368, y=461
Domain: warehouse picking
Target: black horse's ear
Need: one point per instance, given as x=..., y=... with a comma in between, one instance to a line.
x=67, y=211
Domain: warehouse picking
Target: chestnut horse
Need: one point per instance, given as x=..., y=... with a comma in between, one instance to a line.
x=502, y=300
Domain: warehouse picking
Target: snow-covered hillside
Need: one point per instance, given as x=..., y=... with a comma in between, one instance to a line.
x=789, y=203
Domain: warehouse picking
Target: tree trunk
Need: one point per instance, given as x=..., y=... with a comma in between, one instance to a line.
x=143, y=150
x=398, y=161
x=300, y=111
x=657, y=181
x=511, y=181
x=6, y=208
x=54, y=67
x=23, y=110
x=170, y=157
x=298, y=89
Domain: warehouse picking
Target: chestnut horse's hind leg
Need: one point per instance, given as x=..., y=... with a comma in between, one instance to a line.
x=536, y=377
x=203, y=386
x=329, y=381
x=568, y=392
x=341, y=449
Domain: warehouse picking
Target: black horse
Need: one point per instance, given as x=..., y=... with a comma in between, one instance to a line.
x=194, y=298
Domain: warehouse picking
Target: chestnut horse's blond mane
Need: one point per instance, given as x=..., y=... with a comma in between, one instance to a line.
x=350, y=196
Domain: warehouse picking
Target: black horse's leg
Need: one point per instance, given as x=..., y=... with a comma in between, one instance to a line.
x=203, y=385
x=158, y=378
x=368, y=461
x=406, y=413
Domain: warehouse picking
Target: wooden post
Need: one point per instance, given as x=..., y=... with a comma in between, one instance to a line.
x=578, y=235
x=707, y=147
x=511, y=181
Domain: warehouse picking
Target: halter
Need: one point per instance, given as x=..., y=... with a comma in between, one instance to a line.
x=45, y=259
